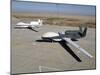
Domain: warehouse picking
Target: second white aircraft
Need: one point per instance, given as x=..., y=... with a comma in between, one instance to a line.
x=31, y=25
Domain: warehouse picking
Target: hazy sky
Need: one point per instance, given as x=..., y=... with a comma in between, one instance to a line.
x=53, y=8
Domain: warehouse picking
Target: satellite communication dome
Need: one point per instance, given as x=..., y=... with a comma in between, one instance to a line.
x=50, y=34
x=20, y=23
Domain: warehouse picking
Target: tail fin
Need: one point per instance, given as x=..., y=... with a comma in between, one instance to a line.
x=83, y=31
x=40, y=22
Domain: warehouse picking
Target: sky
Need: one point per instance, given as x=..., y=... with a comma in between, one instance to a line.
x=34, y=7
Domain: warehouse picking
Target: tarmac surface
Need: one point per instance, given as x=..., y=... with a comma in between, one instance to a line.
x=30, y=56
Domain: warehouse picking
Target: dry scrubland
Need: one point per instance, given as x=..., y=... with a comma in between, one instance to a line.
x=61, y=20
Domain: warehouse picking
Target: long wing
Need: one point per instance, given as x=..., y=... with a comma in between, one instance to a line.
x=21, y=26
x=77, y=46
x=68, y=40
x=27, y=25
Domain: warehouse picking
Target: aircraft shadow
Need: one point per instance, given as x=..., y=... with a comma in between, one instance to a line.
x=32, y=29
x=66, y=47
x=45, y=41
x=26, y=28
x=69, y=50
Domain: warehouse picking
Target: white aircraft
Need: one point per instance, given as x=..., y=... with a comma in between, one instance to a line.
x=31, y=25
x=68, y=37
